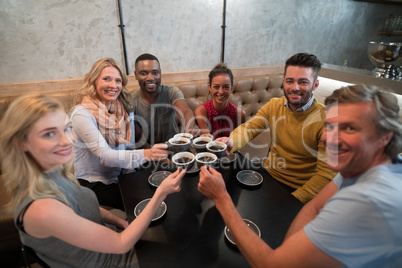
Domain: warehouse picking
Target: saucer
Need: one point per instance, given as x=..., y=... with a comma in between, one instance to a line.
x=155, y=179
x=249, y=177
x=158, y=214
x=250, y=224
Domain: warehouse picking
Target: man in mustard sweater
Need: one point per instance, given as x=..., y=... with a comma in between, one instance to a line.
x=297, y=154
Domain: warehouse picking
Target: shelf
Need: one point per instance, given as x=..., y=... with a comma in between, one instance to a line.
x=359, y=76
x=396, y=2
x=390, y=33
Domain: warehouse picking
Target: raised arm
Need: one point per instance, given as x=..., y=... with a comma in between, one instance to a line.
x=241, y=115
x=250, y=129
x=297, y=251
x=202, y=120
x=85, y=126
x=189, y=119
x=49, y=217
x=140, y=139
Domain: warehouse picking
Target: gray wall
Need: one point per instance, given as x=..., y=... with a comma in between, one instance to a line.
x=60, y=39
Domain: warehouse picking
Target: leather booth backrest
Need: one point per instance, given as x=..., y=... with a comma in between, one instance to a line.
x=249, y=93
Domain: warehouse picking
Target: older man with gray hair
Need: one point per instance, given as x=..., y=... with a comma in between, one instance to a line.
x=356, y=219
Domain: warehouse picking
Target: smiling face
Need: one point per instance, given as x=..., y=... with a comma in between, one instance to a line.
x=298, y=85
x=148, y=74
x=47, y=141
x=220, y=88
x=108, y=85
x=352, y=142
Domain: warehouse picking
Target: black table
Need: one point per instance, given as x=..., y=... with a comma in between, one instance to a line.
x=191, y=233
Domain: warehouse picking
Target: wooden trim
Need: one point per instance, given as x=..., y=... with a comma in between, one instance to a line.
x=390, y=33
x=17, y=89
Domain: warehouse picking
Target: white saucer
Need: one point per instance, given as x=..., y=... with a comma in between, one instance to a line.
x=249, y=177
x=158, y=214
x=155, y=179
x=250, y=224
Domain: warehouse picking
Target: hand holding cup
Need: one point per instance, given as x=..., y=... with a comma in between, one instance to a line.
x=229, y=143
x=158, y=152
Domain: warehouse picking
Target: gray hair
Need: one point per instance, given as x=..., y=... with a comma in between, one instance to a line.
x=386, y=118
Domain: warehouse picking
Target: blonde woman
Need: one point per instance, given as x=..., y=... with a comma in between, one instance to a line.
x=55, y=216
x=103, y=120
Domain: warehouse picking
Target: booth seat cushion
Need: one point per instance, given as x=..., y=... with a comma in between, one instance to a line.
x=251, y=93
x=195, y=92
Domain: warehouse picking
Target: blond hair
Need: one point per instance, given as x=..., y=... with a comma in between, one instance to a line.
x=22, y=175
x=89, y=89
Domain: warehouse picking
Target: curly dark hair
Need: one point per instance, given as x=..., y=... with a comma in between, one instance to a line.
x=220, y=68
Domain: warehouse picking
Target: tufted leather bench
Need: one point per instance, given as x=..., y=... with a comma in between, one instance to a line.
x=250, y=93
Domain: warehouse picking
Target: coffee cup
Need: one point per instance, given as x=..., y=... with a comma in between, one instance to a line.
x=206, y=159
x=217, y=147
x=183, y=159
x=200, y=143
x=178, y=144
x=184, y=135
